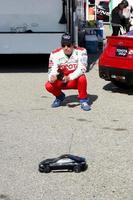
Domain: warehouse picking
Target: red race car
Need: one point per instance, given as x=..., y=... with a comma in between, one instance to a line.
x=116, y=61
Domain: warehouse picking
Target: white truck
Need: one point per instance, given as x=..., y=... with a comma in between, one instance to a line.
x=36, y=26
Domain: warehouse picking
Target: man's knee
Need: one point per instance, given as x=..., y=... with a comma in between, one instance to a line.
x=48, y=86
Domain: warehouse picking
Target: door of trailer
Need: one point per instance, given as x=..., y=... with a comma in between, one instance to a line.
x=30, y=26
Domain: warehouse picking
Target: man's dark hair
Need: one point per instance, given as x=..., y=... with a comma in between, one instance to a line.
x=125, y=3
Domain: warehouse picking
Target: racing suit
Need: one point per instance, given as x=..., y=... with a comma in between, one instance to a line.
x=73, y=66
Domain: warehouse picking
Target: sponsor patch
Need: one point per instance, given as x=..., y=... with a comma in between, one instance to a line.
x=50, y=64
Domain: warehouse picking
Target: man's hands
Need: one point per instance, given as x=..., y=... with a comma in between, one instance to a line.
x=65, y=79
x=53, y=78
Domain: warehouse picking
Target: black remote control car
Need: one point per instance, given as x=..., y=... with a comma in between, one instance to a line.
x=64, y=162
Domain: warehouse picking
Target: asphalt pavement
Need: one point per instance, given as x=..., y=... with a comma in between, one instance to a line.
x=30, y=131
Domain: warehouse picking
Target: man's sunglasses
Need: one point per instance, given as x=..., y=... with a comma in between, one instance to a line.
x=66, y=45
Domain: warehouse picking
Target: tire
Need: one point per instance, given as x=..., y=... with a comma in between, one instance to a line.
x=41, y=170
x=77, y=169
x=46, y=169
x=120, y=84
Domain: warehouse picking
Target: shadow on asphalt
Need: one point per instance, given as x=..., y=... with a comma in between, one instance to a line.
x=93, y=58
x=24, y=63
x=68, y=171
x=111, y=87
x=72, y=100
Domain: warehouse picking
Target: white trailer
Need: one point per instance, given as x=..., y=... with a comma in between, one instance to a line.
x=36, y=26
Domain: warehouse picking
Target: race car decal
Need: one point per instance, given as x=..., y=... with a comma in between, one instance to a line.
x=69, y=67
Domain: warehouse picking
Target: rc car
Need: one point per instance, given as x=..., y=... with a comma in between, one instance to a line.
x=64, y=162
x=116, y=61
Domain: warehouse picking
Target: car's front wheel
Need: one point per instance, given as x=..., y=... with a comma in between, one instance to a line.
x=46, y=169
x=77, y=169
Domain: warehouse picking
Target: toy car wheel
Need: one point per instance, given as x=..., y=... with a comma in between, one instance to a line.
x=46, y=169
x=41, y=170
x=77, y=169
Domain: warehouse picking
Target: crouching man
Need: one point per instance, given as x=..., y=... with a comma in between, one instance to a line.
x=67, y=67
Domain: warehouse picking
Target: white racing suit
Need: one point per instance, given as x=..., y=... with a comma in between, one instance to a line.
x=74, y=66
